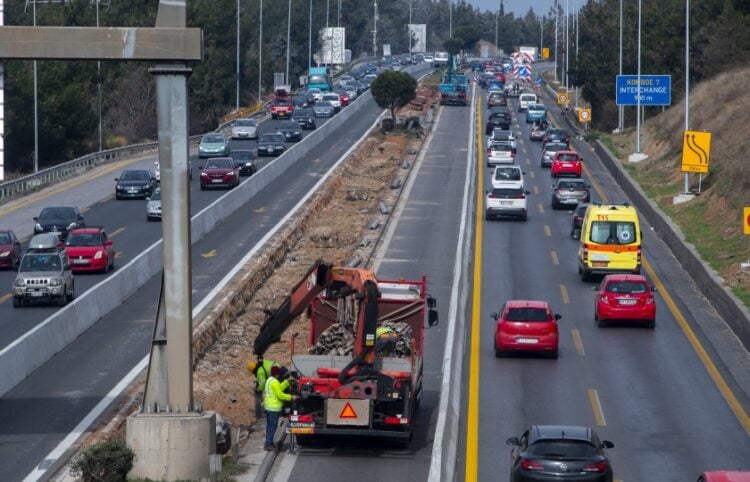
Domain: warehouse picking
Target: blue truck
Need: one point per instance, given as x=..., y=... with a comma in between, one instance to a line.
x=320, y=78
x=454, y=89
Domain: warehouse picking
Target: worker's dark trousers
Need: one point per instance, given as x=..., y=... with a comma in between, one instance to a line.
x=258, y=404
x=272, y=420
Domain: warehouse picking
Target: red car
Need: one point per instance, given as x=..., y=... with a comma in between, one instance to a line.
x=10, y=249
x=344, y=98
x=219, y=172
x=625, y=297
x=282, y=107
x=567, y=163
x=725, y=476
x=89, y=249
x=499, y=76
x=526, y=326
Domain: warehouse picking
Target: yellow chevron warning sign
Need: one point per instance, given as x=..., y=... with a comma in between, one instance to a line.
x=696, y=151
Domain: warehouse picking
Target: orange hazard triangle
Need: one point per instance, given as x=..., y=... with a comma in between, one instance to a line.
x=348, y=411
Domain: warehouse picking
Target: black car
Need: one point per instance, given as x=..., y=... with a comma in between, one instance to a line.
x=305, y=118
x=271, y=144
x=300, y=101
x=497, y=118
x=577, y=222
x=291, y=130
x=556, y=135
x=245, y=160
x=497, y=99
x=567, y=193
x=558, y=452
x=136, y=183
x=59, y=219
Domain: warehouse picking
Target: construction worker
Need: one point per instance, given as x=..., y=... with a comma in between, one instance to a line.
x=385, y=341
x=274, y=396
x=261, y=370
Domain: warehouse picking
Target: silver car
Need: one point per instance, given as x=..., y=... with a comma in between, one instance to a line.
x=245, y=129
x=44, y=274
x=153, y=207
x=324, y=108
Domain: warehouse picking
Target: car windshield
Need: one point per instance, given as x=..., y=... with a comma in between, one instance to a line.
x=244, y=123
x=58, y=213
x=563, y=449
x=629, y=287
x=612, y=232
x=281, y=102
x=538, y=107
x=302, y=113
x=135, y=176
x=507, y=174
x=84, y=239
x=528, y=98
x=554, y=147
x=241, y=155
x=323, y=103
x=213, y=139
x=501, y=135
x=40, y=262
x=571, y=185
x=317, y=79
x=567, y=157
x=501, y=146
x=219, y=164
x=506, y=193
x=4, y=238
x=527, y=314
x=331, y=97
x=289, y=125
x=272, y=138
x=156, y=196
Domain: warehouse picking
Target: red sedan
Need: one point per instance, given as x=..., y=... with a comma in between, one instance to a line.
x=625, y=297
x=567, y=163
x=526, y=326
x=10, y=249
x=219, y=172
x=89, y=249
x=725, y=476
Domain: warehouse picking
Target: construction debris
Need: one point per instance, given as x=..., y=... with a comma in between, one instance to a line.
x=337, y=340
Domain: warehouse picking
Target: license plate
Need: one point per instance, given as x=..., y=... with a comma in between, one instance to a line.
x=567, y=164
x=80, y=261
x=269, y=149
x=599, y=257
x=215, y=180
x=528, y=341
x=626, y=302
x=570, y=201
x=37, y=293
x=506, y=203
x=600, y=264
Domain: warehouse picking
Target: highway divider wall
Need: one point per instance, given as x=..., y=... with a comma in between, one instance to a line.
x=38, y=345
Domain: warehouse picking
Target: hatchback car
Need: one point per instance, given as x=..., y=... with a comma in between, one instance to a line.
x=577, y=220
x=535, y=112
x=500, y=153
x=526, y=326
x=506, y=200
x=244, y=159
x=244, y=129
x=725, y=476
x=305, y=118
x=567, y=163
x=323, y=108
x=334, y=99
x=90, y=250
x=567, y=193
x=153, y=206
x=499, y=117
x=556, y=452
x=496, y=99
x=213, y=145
x=344, y=97
x=10, y=249
x=135, y=183
x=219, y=172
x=548, y=152
x=536, y=133
x=59, y=220
x=626, y=298
x=291, y=130
x=271, y=144
x=507, y=175
x=553, y=134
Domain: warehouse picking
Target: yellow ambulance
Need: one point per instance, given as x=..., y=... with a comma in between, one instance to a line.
x=610, y=241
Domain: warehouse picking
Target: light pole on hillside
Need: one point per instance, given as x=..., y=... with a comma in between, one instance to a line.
x=260, y=55
x=620, y=108
x=309, y=41
x=638, y=91
x=687, y=80
x=557, y=39
x=288, y=35
x=237, y=72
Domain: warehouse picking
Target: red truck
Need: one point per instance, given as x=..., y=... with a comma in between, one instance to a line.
x=281, y=104
x=346, y=386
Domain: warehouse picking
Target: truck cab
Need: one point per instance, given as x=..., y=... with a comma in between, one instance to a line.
x=320, y=78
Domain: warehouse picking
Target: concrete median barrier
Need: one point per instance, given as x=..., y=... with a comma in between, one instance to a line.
x=38, y=345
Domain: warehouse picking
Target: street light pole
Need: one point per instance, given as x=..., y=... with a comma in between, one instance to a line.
x=288, y=45
x=450, y=18
x=328, y=9
x=36, y=111
x=541, y=36
x=260, y=55
x=338, y=15
x=497, y=17
x=567, y=44
x=408, y=28
x=375, y=30
x=99, y=83
x=638, y=91
x=309, y=41
x=237, y=100
x=687, y=81
x=557, y=40
x=578, y=25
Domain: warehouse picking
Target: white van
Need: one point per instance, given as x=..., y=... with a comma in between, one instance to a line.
x=441, y=58
x=524, y=100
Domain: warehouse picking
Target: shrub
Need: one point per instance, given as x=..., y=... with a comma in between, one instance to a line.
x=108, y=461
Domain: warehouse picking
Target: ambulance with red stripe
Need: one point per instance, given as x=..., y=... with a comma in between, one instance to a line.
x=610, y=241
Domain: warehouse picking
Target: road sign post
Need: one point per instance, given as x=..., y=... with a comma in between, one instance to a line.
x=696, y=151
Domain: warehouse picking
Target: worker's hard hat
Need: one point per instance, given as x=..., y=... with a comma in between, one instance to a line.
x=251, y=365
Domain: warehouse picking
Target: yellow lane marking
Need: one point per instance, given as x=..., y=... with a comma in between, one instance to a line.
x=209, y=254
x=118, y=254
x=116, y=232
x=547, y=230
x=596, y=406
x=553, y=255
x=564, y=294
x=259, y=210
x=23, y=241
x=536, y=190
x=578, y=342
x=472, y=423
x=540, y=208
x=5, y=298
x=708, y=363
x=107, y=199
x=531, y=174
x=84, y=210
x=77, y=182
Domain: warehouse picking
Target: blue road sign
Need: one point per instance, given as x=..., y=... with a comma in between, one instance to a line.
x=655, y=90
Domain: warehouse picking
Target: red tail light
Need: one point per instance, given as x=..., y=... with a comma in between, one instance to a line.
x=650, y=300
x=585, y=253
x=489, y=152
x=531, y=465
x=600, y=467
x=513, y=152
x=396, y=421
x=638, y=255
x=301, y=418
x=605, y=299
x=521, y=196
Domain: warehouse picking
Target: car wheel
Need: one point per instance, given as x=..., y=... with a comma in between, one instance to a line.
x=17, y=302
x=585, y=276
x=554, y=355
x=71, y=296
x=499, y=353
x=118, y=197
x=651, y=324
x=487, y=217
x=525, y=217
x=203, y=188
x=63, y=300
x=575, y=233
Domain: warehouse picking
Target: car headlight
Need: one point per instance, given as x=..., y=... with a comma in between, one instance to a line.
x=19, y=282
x=38, y=227
x=4, y=254
x=99, y=255
x=203, y=174
x=248, y=164
x=55, y=282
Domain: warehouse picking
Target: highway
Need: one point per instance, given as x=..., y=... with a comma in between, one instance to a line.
x=648, y=391
x=413, y=250
x=124, y=220
x=39, y=412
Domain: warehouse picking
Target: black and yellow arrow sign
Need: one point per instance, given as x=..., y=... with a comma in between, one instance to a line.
x=696, y=151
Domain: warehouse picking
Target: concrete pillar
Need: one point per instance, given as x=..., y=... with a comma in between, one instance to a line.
x=172, y=446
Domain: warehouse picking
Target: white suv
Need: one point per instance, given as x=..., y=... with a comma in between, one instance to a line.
x=507, y=176
x=506, y=200
x=500, y=153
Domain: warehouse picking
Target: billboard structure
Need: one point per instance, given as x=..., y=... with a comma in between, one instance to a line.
x=418, y=36
x=333, y=45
